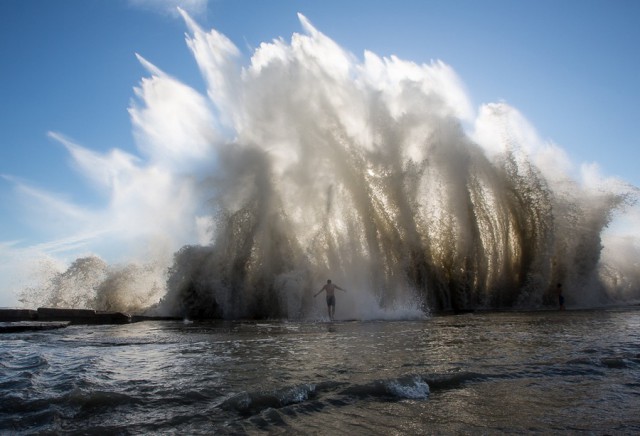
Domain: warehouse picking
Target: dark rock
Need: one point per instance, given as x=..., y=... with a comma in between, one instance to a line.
x=82, y=316
x=12, y=315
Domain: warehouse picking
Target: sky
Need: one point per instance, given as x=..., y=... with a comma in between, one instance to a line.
x=69, y=68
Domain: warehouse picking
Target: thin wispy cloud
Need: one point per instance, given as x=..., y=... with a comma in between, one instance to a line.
x=50, y=210
x=71, y=244
x=196, y=8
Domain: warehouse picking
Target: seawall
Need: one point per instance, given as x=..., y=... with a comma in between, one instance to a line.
x=46, y=318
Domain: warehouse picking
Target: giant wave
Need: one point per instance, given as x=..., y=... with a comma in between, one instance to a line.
x=312, y=164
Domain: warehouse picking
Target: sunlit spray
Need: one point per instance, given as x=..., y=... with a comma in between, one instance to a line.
x=308, y=164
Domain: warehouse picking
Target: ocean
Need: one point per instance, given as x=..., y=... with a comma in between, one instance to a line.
x=495, y=372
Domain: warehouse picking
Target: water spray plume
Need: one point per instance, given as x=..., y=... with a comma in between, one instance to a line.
x=319, y=165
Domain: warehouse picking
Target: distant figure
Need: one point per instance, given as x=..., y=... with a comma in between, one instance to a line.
x=331, y=298
x=560, y=296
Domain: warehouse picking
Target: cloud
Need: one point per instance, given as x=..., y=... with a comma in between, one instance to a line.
x=170, y=7
x=49, y=211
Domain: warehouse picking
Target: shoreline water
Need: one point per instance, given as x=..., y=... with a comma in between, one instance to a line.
x=547, y=372
x=40, y=317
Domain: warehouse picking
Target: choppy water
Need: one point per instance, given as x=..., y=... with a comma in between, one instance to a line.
x=478, y=373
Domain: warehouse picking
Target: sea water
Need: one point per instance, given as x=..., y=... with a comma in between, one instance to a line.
x=544, y=372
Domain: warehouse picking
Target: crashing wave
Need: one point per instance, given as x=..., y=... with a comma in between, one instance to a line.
x=315, y=164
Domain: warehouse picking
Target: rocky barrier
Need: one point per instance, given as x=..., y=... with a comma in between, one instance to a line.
x=46, y=318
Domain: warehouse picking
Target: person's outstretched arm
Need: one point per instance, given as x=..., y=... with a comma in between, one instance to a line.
x=318, y=292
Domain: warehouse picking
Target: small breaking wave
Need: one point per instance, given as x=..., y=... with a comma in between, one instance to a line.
x=250, y=403
x=309, y=397
x=408, y=387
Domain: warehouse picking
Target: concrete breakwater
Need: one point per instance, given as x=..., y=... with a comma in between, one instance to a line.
x=12, y=320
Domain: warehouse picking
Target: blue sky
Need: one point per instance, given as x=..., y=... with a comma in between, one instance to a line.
x=70, y=66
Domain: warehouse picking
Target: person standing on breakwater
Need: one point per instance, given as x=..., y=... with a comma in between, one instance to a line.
x=560, y=296
x=330, y=288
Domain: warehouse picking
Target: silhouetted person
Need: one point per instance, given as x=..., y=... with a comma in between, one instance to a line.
x=560, y=296
x=331, y=298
